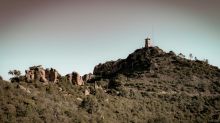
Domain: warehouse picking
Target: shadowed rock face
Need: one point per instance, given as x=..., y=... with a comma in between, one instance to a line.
x=38, y=73
x=69, y=78
x=87, y=77
x=47, y=73
x=75, y=78
x=52, y=75
x=1, y=78
x=29, y=74
x=140, y=60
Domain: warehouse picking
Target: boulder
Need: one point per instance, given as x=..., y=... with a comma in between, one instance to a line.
x=24, y=89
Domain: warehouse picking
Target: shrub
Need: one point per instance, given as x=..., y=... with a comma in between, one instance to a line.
x=118, y=81
x=90, y=104
x=123, y=92
x=14, y=79
x=15, y=75
x=100, y=95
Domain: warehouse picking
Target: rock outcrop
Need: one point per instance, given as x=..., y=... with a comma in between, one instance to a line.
x=69, y=78
x=140, y=60
x=52, y=75
x=88, y=77
x=29, y=74
x=75, y=78
x=1, y=78
x=38, y=73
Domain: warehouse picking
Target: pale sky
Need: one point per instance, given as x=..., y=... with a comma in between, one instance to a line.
x=76, y=36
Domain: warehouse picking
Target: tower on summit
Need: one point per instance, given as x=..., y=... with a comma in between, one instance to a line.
x=148, y=42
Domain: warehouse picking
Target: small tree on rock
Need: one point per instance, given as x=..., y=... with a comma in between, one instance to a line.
x=11, y=73
x=16, y=74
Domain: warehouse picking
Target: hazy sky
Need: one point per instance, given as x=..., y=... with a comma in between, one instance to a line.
x=77, y=35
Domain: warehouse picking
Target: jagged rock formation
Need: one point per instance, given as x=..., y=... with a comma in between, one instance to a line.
x=75, y=79
x=38, y=73
x=1, y=78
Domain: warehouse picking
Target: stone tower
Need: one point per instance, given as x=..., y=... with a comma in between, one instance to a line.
x=147, y=42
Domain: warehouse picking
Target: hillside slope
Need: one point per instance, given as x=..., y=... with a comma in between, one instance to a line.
x=148, y=86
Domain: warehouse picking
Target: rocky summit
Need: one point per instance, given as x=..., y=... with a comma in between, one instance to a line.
x=149, y=86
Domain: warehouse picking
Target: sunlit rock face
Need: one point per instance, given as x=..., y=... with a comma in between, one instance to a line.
x=38, y=73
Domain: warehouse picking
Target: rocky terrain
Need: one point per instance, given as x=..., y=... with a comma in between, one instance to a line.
x=149, y=86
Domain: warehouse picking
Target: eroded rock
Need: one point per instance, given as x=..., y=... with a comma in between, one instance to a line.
x=38, y=73
x=75, y=79
x=87, y=77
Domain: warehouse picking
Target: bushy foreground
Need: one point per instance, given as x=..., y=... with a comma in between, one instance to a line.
x=122, y=100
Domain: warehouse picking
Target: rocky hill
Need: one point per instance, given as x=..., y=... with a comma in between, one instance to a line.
x=149, y=86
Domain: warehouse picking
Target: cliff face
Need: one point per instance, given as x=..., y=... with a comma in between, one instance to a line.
x=150, y=85
x=140, y=60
